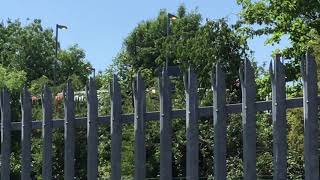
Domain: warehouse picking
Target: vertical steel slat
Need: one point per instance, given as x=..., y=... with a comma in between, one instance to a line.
x=311, y=126
x=116, y=129
x=5, y=134
x=220, y=125
x=26, y=109
x=165, y=127
x=249, y=121
x=192, y=131
x=92, y=130
x=47, y=133
x=139, y=128
x=279, y=119
x=69, y=132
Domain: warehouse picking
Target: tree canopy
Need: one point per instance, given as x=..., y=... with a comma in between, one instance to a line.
x=27, y=58
x=296, y=19
x=31, y=49
x=191, y=42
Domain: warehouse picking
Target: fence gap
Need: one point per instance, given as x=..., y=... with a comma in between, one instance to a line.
x=220, y=127
x=116, y=129
x=139, y=127
x=47, y=133
x=310, y=105
x=248, y=87
x=69, y=132
x=280, y=146
x=165, y=127
x=5, y=134
x=192, y=132
x=92, y=130
x=26, y=109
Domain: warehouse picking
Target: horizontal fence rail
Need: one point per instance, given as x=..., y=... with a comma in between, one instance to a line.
x=204, y=112
x=192, y=115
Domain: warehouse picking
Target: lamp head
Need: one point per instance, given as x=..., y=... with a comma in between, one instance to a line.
x=171, y=16
x=59, y=26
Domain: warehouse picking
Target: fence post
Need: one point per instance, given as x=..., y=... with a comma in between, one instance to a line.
x=116, y=129
x=69, y=132
x=279, y=119
x=139, y=127
x=310, y=105
x=47, y=133
x=248, y=87
x=220, y=127
x=165, y=127
x=92, y=130
x=5, y=134
x=191, y=84
x=26, y=109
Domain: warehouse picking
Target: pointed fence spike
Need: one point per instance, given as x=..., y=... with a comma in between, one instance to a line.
x=248, y=71
x=186, y=80
x=303, y=67
x=87, y=89
x=271, y=70
x=213, y=76
x=241, y=73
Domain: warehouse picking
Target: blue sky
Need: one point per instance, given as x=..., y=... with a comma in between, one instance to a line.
x=100, y=26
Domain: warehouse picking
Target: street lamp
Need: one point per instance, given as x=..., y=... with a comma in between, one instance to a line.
x=169, y=18
x=58, y=26
x=93, y=70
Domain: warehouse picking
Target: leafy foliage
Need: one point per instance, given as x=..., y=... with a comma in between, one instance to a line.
x=31, y=49
x=27, y=57
x=189, y=43
x=11, y=78
x=298, y=20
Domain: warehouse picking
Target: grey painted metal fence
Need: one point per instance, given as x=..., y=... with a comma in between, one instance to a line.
x=192, y=113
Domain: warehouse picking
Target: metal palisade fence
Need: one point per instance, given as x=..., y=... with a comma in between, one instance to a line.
x=191, y=114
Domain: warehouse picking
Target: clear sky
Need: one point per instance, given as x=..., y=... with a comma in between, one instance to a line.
x=100, y=26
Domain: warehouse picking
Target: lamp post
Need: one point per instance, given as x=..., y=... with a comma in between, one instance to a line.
x=169, y=18
x=58, y=26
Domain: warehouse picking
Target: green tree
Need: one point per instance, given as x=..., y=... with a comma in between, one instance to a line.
x=297, y=20
x=31, y=49
x=11, y=78
x=190, y=42
x=27, y=57
x=73, y=65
